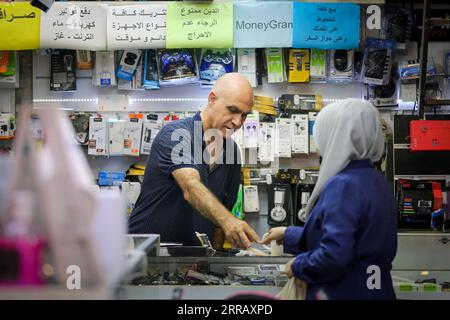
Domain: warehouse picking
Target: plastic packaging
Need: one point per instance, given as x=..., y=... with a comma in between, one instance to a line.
x=340, y=65
x=397, y=24
x=377, y=62
x=177, y=66
x=214, y=63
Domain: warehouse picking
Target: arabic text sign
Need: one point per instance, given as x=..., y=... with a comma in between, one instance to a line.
x=326, y=25
x=137, y=26
x=74, y=26
x=263, y=24
x=19, y=26
x=199, y=25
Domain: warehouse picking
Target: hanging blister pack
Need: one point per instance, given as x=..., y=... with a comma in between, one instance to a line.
x=116, y=134
x=299, y=65
x=312, y=120
x=85, y=60
x=318, y=68
x=266, y=150
x=150, y=75
x=300, y=134
x=177, y=66
x=251, y=199
x=383, y=96
x=340, y=65
x=292, y=103
x=275, y=65
x=63, y=75
x=128, y=64
x=250, y=130
x=377, y=62
x=283, y=134
x=80, y=122
x=97, y=136
x=133, y=133
x=130, y=191
x=104, y=69
x=358, y=56
x=247, y=65
x=214, y=63
x=397, y=25
x=149, y=132
x=136, y=82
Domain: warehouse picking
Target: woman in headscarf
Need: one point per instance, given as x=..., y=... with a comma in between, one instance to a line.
x=346, y=247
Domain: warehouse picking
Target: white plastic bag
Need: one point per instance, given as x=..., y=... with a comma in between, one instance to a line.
x=295, y=289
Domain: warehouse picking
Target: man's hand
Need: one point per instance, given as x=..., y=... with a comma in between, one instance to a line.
x=276, y=234
x=288, y=268
x=239, y=232
x=205, y=202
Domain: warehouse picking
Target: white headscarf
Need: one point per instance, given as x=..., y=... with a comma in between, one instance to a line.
x=345, y=131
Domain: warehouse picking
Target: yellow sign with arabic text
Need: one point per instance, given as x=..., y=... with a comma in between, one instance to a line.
x=19, y=26
x=199, y=25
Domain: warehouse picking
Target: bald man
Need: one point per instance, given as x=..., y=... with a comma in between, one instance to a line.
x=193, y=172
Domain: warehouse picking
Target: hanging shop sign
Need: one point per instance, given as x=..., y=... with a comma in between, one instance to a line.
x=326, y=25
x=19, y=26
x=137, y=26
x=263, y=24
x=199, y=25
x=76, y=25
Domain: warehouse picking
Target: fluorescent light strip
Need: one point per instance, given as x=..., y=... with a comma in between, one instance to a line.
x=167, y=99
x=65, y=100
x=332, y=100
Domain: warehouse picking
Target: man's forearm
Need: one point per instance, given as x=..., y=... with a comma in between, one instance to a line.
x=205, y=202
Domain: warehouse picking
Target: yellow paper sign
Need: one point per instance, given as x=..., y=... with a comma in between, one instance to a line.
x=19, y=26
x=199, y=25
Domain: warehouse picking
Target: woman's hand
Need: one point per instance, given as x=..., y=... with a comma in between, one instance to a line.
x=288, y=268
x=276, y=234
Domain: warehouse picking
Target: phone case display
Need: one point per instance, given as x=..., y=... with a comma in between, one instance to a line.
x=377, y=63
x=214, y=63
x=177, y=66
x=150, y=74
x=63, y=74
x=299, y=65
x=340, y=64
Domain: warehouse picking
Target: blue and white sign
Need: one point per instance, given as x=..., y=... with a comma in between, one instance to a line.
x=326, y=25
x=263, y=24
